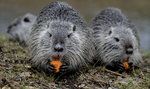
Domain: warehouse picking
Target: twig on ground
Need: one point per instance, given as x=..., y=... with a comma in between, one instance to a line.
x=115, y=73
x=98, y=82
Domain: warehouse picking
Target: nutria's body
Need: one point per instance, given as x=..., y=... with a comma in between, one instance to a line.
x=20, y=28
x=116, y=39
x=60, y=31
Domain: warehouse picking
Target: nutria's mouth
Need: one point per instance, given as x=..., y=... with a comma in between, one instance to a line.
x=57, y=57
x=125, y=59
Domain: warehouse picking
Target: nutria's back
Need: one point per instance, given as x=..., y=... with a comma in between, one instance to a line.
x=60, y=11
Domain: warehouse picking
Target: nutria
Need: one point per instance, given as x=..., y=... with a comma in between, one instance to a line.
x=60, y=33
x=117, y=40
x=20, y=28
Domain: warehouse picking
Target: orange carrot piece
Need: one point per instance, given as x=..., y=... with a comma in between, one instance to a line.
x=57, y=65
x=126, y=65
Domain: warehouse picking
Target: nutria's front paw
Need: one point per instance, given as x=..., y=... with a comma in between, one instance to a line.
x=64, y=69
x=51, y=68
x=131, y=65
x=125, y=68
x=116, y=66
x=120, y=67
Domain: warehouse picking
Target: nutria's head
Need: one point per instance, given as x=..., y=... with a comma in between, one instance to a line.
x=61, y=38
x=20, y=28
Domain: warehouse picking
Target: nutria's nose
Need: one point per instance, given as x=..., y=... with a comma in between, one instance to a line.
x=129, y=49
x=116, y=39
x=58, y=48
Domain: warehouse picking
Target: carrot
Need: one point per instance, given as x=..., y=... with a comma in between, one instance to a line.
x=126, y=65
x=56, y=65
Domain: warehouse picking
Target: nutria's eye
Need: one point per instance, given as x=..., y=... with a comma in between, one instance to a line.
x=50, y=35
x=69, y=35
x=26, y=19
x=74, y=28
x=110, y=32
x=116, y=39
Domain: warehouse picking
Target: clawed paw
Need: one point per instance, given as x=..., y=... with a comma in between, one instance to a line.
x=119, y=67
x=51, y=68
x=131, y=65
x=122, y=68
x=64, y=68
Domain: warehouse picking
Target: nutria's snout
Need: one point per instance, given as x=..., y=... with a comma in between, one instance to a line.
x=58, y=48
x=129, y=49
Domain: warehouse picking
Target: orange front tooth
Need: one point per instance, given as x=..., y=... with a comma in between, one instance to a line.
x=56, y=57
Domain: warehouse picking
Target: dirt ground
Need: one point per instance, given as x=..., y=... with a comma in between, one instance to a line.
x=16, y=73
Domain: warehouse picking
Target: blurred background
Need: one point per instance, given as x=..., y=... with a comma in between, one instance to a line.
x=137, y=10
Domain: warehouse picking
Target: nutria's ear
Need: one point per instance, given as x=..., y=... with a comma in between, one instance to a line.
x=74, y=28
x=26, y=19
